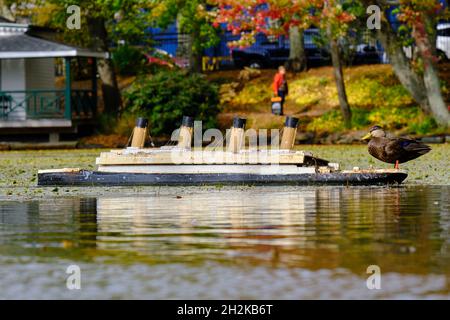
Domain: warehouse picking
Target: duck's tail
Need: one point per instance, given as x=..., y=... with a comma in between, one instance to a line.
x=423, y=149
x=415, y=146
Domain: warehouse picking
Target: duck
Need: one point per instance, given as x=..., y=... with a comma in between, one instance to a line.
x=392, y=149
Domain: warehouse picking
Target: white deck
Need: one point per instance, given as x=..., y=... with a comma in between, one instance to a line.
x=210, y=169
x=159, y=156
x=40, y=123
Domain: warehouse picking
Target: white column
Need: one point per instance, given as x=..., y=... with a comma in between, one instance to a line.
x=13, y=78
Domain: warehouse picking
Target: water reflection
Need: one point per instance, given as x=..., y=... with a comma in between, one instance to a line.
x=48, y=223
x=403, y=230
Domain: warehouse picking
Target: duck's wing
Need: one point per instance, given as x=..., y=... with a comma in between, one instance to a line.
x=393, y=149
x=414, y=146
x=405, y=149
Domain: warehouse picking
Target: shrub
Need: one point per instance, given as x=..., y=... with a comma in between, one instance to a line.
x=332, y=121
x=423, y=126
x=370, y=93
x=394, y=118
x=128, y=60
x=411, y=118
x=328, y=122
x=310, y=91
x=168, y=95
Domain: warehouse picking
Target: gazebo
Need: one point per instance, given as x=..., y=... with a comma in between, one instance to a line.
x=29, y=99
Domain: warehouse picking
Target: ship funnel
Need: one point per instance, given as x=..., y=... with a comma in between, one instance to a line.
x=140, y=133
x=289, y=133
x=186, y=131
x=237, y=135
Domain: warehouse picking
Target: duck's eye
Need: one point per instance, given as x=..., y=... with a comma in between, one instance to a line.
x=375, y=129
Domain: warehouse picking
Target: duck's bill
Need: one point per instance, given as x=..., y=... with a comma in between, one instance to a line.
x=366, y=137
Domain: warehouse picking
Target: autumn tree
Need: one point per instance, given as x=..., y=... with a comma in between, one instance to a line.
x=193, y=18
x=247, y=18
x=417, y=21
x=103, y=22
x=297, y=56
x=5, y=11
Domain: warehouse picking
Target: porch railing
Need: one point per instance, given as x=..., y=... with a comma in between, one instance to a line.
x=48, y=104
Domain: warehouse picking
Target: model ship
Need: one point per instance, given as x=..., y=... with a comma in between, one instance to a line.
x=182, y=164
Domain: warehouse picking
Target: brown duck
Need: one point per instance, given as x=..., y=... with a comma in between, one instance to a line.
x=392, y=149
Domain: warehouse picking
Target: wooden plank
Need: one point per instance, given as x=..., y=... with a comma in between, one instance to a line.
x=206, y=169
x=39, y=123
x=201, y=157
x=63, y=170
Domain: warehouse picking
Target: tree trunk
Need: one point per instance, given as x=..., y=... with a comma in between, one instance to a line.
x=432, y=82
x=426, y=89
x=195, y=52
x=110, y=89
x=297, y=56
x=195, y=61
x=401, y=65
x=339, y=78
x=436, y=100
x=431, y=27
x=5, y=12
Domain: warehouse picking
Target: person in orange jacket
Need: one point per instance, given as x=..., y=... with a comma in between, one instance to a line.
x=280, y=86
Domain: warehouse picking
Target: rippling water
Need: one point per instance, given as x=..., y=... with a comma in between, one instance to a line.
x=230, y=242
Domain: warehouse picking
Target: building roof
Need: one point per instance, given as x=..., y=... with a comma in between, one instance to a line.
x=15, y=43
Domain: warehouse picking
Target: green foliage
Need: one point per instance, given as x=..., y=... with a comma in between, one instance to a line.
x=374, y=92
x=410, y=118
x=309, y=91
x=332, y=121
x=111, y=125
x=423, y=126
x=128, y=60
x=368, y=93
x=124, y=19
x=252, y=96
x=377, y=98
x=329, y=122
x=394, y=118
x=165, y=97
x=193, y=18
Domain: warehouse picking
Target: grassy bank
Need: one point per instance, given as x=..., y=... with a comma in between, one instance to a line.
x=374, y=93
x=18, y=169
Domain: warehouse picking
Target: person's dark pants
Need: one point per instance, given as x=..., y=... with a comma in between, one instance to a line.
x=282, y=95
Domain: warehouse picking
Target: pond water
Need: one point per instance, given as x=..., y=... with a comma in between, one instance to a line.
x=228, y=242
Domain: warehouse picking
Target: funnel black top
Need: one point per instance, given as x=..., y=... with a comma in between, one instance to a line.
x=291, y=122
x=187, y=122
x=142, y=123
x=239, y=122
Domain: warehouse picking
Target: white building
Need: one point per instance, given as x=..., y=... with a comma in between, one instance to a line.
x=29, y=101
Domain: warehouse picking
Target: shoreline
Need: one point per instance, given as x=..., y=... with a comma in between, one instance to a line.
x=18, y=171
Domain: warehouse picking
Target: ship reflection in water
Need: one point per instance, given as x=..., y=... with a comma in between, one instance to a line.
x=321, y=239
